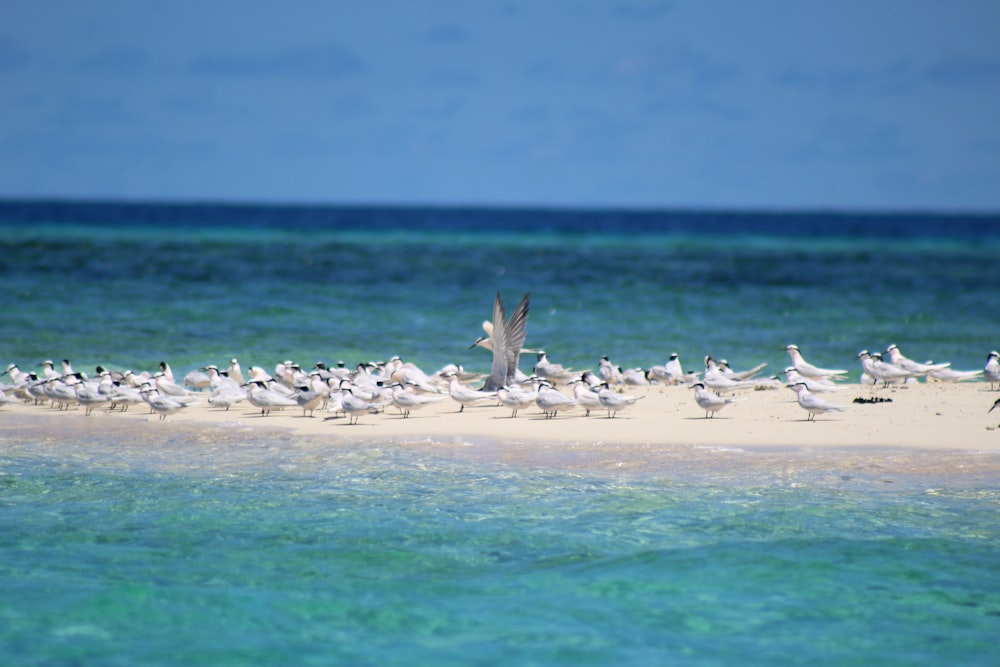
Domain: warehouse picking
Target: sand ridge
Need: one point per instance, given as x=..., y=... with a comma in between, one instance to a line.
x=931, y=415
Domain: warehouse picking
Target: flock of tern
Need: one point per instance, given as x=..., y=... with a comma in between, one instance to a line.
x=371, y=387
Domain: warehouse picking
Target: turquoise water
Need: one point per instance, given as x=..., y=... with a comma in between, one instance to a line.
x=130, y=287
x=232, y=546
x=212, y=547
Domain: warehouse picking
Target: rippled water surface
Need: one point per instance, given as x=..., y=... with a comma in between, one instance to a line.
x=130, y=286
x=237, y=546
x=228, y=545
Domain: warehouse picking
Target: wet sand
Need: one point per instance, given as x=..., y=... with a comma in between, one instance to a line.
x=928, y=431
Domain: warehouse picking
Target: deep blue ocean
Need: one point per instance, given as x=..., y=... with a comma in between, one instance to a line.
x=243, y=547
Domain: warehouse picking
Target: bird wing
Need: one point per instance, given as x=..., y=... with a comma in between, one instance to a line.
x=746, y=375
x=515, y=331
x=498, y=374
x=810, y=401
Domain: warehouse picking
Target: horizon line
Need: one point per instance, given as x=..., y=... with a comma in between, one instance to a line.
x=640, y=209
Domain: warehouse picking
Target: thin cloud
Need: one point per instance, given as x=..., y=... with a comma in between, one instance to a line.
x=851, y=138
x=12, y=56
x=547, y=70
x=446, y=34
x=899, y=76
x=963, y=71
x=832, y=80
x=642, y=10
x=451, y=76
x=116, y=62
x=662, y=67
x=323, y=62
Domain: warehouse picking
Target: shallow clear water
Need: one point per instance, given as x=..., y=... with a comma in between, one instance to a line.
x=243, y=547
x=229, y=546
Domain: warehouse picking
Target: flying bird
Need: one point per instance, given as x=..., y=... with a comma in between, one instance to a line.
x=507, y=338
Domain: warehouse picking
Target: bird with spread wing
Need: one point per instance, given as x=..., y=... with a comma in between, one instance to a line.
x=506, y=338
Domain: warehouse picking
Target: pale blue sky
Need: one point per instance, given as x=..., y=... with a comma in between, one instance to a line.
x=891, y=104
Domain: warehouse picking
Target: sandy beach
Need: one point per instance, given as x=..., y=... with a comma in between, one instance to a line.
x=930, y=428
